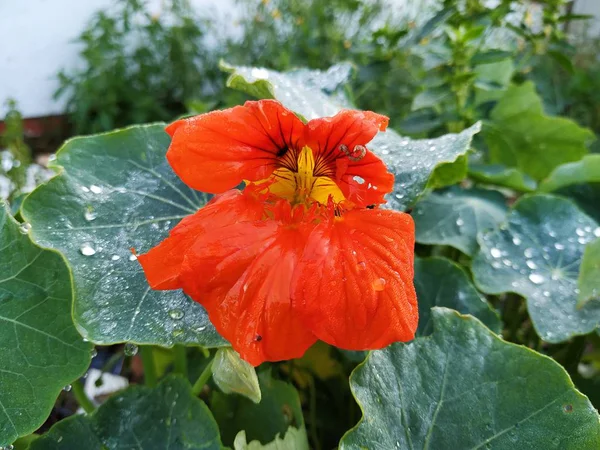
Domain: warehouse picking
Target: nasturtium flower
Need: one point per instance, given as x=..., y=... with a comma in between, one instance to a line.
x=303, y=252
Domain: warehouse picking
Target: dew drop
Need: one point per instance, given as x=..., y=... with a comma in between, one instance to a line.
x=177, y=332
x=86, y=249
x=25, y=227
x=559, y=246
x=115, y=257
x=460, y=222
x=546, y=293
x=516, y=240
x=597, y=232
x=528, y=253
x=580, y=232
x=94, y=353
x=531, y=264
x=379, y=284
x=96, y=189
x=536, y=278
x=587, y=229
x=507, y=262
x=130, y=349
x=85, y=189
x=176, y=314
x=68, y=388
x=358, y=179
x=90, y=214
x=200, y=329
x=495, y=252
x=132, y=257
x=581, y=240
x=361, y=265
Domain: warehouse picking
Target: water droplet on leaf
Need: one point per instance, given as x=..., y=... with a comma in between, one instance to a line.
x=130, y=349
x=536, y=278
x=25, y=227
x=86, y=249
x=176, y=314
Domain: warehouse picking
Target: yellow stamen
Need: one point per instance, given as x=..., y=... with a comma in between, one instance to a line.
x=303, y=185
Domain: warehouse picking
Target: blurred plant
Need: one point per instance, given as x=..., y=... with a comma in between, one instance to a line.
x=139, y=67
x=15, y=155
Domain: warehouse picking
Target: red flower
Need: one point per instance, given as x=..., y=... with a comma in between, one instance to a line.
x=302, y=253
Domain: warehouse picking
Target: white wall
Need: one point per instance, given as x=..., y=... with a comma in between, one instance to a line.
x=36, y=41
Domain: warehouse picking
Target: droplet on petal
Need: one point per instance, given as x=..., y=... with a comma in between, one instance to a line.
x=379, y=284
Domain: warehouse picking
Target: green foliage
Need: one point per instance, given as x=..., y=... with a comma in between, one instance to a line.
x=168, y=416
x=537, y=254
x=518, y=122
x=40, y=349
x=463, y=387
x=455, y=216
x=441, y=282
x=96, y=213
x=138, y=67
x=15, y=155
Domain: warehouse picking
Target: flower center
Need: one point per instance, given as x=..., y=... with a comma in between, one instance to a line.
x=300, y=183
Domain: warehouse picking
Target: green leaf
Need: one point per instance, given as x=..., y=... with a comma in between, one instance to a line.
x=589, y=275
x=586, y=170
x=315, y=94
x=166, y=417
x=294, y=439
x=455, y=216
x=234, y=375
x=465, y=388
x=520, y=135
x=310, y=93
x=116, y=191
x=499, y=175
x=278, y=409
x=537, y=254
x=40, y=349
x=441, y=282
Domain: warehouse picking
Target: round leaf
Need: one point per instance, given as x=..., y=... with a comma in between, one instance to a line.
x=40, y=348
x=314, y=93
x=440, y=282
x=537, y=254
x=465, y=388
x=115, y=192
x=499, y=175
x=454, y=217
x=166, y=417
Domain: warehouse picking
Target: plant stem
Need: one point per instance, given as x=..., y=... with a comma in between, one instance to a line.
x=180, y=360
x=202, y=379
x=82, y=399
x=147, y=355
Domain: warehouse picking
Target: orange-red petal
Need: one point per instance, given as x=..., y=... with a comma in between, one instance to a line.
x=216, y=151
x=353, y=287
x=162, y=264
x=364, y=180
x=242, y=275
